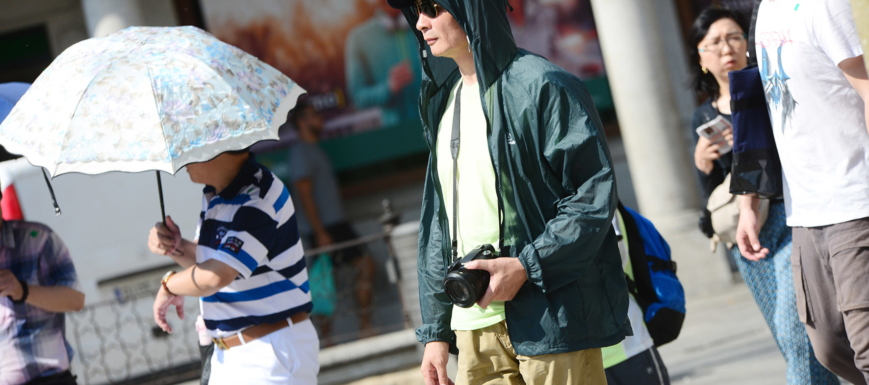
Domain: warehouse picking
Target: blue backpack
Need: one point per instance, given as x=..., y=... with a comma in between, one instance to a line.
x=654, y=286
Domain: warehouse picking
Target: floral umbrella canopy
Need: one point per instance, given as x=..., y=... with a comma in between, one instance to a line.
x=147, y=99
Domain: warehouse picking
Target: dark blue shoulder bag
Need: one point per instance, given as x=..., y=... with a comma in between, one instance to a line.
x=756, y=165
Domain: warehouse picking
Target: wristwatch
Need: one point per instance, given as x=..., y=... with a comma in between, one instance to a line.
x=165, y=280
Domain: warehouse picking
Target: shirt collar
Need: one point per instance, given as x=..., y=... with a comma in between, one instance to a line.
x=245, y=177
x=7, y=236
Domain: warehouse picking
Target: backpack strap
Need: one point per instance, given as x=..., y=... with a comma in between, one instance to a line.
x=659, y=264
x=641, y=286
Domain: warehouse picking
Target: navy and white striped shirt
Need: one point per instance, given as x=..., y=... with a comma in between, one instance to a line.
x=251, y=226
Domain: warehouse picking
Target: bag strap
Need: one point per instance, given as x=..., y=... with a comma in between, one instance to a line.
x=644, y=290
x=658, y=264
x=752, y=53
x=758, y=101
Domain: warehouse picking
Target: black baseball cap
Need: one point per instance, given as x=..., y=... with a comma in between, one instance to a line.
x=399, y=4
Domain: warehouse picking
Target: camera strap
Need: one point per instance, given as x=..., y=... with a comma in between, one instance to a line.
x=454, y=151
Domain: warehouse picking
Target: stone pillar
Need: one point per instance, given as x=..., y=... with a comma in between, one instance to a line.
x=105, y=17
x=861, y=19
x=645, y=61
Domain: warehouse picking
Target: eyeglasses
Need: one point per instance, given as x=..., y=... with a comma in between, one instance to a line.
x=428, y=7
x=735, y=39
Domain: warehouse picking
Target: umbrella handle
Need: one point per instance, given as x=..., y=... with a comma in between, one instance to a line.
x=178, y=253
x=160, y=190
x=51, y=191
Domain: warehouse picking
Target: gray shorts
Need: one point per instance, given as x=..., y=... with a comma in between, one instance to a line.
x=831, y=278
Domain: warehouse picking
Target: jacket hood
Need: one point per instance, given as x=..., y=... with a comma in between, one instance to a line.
x=485, y=22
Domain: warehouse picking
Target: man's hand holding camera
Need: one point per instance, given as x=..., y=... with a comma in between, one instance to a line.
x=507, y=277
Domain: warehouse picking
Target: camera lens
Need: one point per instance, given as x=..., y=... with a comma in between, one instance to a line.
x=463, y=286
x=466, y=287
x=457, y=291
x=460, y=287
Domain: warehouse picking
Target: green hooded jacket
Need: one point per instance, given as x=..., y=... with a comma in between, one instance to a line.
x=557, y=192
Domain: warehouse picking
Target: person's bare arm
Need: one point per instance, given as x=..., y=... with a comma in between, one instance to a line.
x=747, y=230
x=305, y=188
x=57, y=299
x=855, y=71
x=202, y=280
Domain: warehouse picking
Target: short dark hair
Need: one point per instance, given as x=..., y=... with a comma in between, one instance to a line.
x=239, y=152
x=705, y=84
x=298, y=111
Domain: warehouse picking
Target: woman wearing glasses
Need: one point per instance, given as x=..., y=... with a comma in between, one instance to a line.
x=720, y=47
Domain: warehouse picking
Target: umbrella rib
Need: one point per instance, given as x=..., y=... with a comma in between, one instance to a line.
x=96, y=75
x=74, y=111
x=207, y=66
x=160, y=119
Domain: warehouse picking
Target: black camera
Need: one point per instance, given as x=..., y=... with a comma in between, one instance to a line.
x=465, y=286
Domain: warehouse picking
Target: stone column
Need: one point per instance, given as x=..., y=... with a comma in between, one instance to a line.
x=645, y=61
x=105, y=17
x=861, y=19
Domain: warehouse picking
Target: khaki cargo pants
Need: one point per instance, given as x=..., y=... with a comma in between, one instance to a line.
x=831, y=277
x=486, y=357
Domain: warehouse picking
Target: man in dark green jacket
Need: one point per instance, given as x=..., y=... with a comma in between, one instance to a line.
x=534, y=178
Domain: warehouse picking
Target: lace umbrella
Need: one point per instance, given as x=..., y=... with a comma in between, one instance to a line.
x=147, y=98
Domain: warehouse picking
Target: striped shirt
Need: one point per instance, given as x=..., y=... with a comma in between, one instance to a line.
x=32, y=341
x=251, y=226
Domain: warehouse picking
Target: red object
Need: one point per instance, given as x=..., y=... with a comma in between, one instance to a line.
x=518, y=13
x=10, y=205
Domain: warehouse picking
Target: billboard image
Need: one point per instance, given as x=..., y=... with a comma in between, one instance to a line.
x=358, y=60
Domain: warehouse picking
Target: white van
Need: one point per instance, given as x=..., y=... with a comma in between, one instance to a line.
x=105, y=223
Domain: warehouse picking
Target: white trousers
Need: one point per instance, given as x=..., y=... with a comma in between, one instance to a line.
x=288, y=356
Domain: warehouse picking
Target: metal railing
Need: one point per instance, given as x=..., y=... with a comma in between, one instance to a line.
x=388, y=311
x=118, y=342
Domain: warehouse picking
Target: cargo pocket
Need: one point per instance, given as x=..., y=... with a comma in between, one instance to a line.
x=800, y=286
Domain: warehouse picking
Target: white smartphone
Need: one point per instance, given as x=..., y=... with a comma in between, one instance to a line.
x=714, y=131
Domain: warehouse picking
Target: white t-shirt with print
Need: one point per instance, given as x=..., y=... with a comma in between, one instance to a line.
x=817, y=117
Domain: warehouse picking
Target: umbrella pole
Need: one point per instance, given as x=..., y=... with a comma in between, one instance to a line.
x=160, y=190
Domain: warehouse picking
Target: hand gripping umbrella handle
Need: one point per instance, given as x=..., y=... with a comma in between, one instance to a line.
x=51, y=191
x=160, y=191
x=163, y=209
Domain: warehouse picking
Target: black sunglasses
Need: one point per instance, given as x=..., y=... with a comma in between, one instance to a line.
x=428, y=7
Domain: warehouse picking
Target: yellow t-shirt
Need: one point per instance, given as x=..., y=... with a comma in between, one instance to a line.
x=478, y=194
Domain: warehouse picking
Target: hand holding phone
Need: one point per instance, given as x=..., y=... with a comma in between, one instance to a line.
x=717, y=131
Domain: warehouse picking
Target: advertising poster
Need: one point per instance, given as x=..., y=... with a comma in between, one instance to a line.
x=742, y=6
x=358, y=60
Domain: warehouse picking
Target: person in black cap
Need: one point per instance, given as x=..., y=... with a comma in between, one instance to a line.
x=518, y=164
